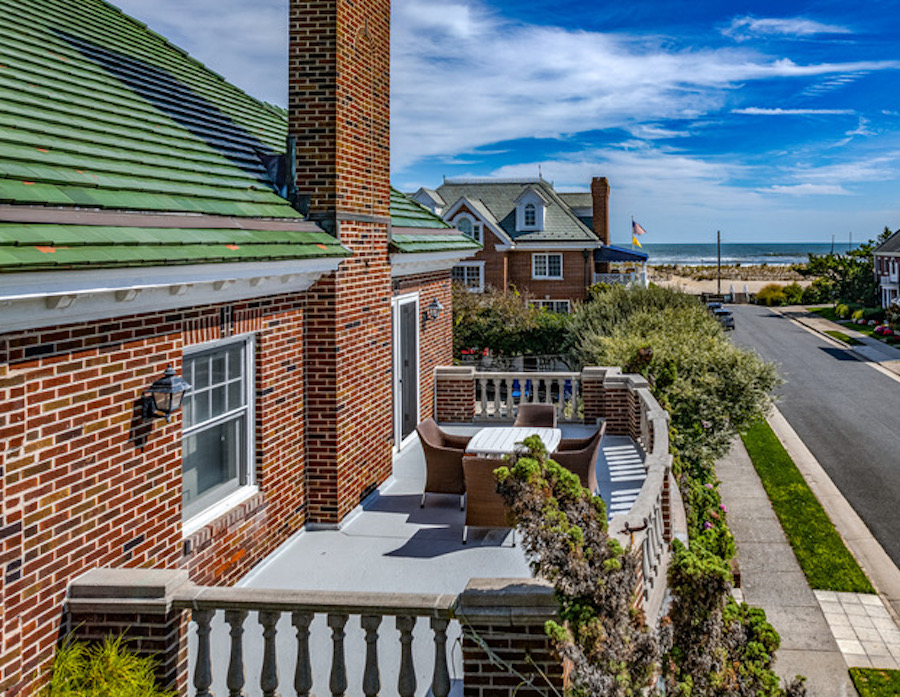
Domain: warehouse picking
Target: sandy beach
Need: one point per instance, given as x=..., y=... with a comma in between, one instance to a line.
x=696, y=280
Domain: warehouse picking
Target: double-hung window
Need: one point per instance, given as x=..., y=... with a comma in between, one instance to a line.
x=471, y=275
x=218, y=424
x=545, y=266
x=469, y=227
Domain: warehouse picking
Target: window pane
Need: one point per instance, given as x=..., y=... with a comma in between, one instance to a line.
x=235, y=362
x=201, y=406
x=217, y=397
x=218, y=368
x=540, y=265
x=201, y=372
x=211, y=462
x=235, y=398
x=554, y=265
x=465, y=226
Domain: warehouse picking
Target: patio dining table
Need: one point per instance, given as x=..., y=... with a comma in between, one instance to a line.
x=497, y=441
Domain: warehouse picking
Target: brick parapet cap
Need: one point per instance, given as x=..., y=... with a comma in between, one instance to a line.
x=452, y=372
x=507, y=602
x=126, y=591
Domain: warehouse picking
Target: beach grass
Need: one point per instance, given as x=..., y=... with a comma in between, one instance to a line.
x=820, y=551
x=875, y=682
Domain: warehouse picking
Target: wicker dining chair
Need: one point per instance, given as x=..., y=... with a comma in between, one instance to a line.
x=443, y=461
x=484, y=506
x=536, y=415
x=579, y=456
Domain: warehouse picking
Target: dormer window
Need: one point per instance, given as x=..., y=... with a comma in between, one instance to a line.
x=469, y=227
x=530, y=215
x=531, y=209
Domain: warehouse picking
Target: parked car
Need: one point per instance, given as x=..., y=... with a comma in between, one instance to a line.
x=726, y=319
x=713, y=306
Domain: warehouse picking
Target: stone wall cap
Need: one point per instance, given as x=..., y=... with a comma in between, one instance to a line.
x=454, y=371
x=508, y=592
x=145, y=584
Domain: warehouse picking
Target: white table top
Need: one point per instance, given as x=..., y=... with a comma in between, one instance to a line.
x=496, y=441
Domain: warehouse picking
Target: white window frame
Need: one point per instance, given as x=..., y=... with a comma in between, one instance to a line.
x=248, y=488
x=396, y=302
x=529, y=211
x=545, y=256
x=471, y=264
x=553, y=305
x=477, y=227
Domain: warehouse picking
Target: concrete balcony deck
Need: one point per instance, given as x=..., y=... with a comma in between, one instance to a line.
x=393, y=545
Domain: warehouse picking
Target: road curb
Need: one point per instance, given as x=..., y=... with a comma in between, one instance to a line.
x=875, y=562
x=861, y=357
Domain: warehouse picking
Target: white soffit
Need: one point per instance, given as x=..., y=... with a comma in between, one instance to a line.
x=43, y=299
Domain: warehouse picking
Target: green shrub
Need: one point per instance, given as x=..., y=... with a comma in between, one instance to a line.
x=819, y=291
x=858, y=314
x=793, y=293
x=875, y=313
x=771, y=295
x=107, y=669
x=842, y=311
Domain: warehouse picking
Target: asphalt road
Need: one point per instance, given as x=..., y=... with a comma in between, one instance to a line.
x=846, y=412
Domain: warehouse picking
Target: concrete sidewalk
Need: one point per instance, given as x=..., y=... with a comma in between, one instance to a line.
x=772, y=579
x=869, y=350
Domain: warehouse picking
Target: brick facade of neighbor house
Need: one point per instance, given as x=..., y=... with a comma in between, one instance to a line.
x=887, y=270
x=576, y=276
x=339, y=108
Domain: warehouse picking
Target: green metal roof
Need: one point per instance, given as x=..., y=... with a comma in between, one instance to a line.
x=499, y=198
x=99, y=111
x=41, y=247
x=420, y=230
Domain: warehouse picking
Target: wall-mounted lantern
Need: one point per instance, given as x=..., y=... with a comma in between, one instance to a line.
x=163, y=398
x=433, y=311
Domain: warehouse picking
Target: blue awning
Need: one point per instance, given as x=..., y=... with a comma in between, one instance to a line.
x=612, y=253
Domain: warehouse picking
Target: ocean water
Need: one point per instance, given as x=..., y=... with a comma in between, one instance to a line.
x=738, y=253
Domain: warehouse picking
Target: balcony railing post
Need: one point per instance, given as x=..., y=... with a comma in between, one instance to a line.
x=371, y=678
x=440, y=683
x=303, y=671
x=268, y=678
x=203, y=670
x=406, y=683
x=235, y=678
x=338, y=682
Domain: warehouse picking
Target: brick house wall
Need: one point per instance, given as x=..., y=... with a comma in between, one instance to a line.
x=87, y=483
x=573, y=285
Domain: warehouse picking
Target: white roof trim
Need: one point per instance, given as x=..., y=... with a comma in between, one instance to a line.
x=410, y=264
x=48, y=298
x=473, y=208
x=525, y=246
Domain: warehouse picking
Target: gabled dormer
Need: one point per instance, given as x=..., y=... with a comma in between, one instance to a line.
x=431, y=199
x=531, y=210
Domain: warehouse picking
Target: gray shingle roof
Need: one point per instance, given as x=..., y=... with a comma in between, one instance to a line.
x=891, y=245
x=499, y=196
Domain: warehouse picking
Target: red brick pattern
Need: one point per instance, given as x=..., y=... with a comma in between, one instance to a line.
x=87, y=483
x=454, y=400
x=525, y=649
x=577, y=276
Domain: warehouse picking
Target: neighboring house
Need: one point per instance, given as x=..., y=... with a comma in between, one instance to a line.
x=145, y=223
x=887, y=269
x=545, y=244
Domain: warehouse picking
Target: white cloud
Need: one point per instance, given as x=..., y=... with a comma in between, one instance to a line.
x=862, y=129
x=742, y=28
x=649, y=131
x=456, y=90
x=808, y=190
x=763, y=111
x=245, y=42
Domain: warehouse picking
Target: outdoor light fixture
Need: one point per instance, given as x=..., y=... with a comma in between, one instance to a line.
x=163, y=398
x=434, y=309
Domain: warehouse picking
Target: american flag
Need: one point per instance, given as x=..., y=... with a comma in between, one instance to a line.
x=636, y=228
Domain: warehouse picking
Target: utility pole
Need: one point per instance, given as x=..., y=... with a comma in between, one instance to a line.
x=832, y=243
x=718, y=262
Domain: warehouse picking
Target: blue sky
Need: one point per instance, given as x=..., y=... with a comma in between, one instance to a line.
x=770, y=121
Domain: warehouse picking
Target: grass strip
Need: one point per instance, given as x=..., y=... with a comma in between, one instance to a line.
x=876, y=682
x=840, y=336
x=820, y=551
x=825, y=312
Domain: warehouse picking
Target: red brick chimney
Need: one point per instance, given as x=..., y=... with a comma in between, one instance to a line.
x=600, y=196
x=339, y=115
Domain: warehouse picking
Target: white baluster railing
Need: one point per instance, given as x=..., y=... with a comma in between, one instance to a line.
x=498, y=395
x=234, y=604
